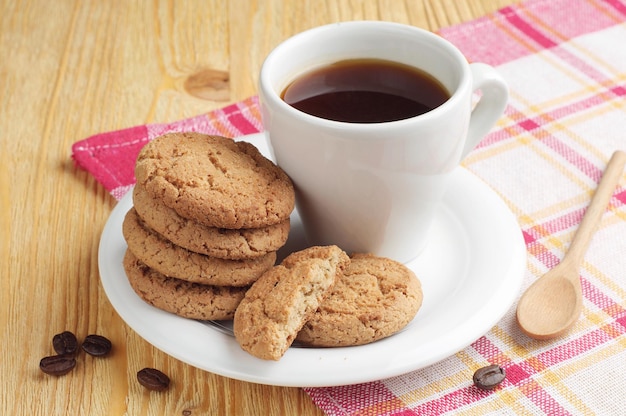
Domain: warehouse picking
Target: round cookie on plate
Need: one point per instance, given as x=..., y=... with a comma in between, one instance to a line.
x=277, y=305
x=233, y=244
x=186, y=299
x=171, y=260
x=375, y=298
x=215, y=181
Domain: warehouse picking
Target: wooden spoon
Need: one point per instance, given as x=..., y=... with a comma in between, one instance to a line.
x=552, y=304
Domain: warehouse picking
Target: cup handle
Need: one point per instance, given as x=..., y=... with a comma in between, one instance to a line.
x=495, y=95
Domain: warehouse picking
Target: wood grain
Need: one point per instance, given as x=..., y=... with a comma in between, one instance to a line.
x=69, y=69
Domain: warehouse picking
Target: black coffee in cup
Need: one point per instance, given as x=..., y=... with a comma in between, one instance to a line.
x=365, y=91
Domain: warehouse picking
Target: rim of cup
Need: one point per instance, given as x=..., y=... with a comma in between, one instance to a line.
x=271, y=92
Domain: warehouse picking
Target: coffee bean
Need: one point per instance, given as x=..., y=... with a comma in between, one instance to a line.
x=65, y=343
x=57, y=365
x=153, y=379
x=489, y=377
x=96, y=345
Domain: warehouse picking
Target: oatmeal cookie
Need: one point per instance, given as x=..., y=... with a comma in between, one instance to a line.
x=375, y=298
x=215, y=180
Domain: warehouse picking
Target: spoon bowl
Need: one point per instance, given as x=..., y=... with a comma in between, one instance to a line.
x=552, y=304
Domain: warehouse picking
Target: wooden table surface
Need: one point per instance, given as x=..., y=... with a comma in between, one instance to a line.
x=69, y=69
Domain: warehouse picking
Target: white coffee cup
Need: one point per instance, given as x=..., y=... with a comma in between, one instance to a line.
x=375, y=187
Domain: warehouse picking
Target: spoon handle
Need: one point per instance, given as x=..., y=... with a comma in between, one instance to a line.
x=598, y=205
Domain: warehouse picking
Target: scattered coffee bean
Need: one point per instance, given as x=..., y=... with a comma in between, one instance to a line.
x=489, y=377
x=96, y=345
x=153, y=379
x=65, y=343
x=57, y=365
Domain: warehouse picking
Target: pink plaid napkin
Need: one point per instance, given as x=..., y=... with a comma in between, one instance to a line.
x=565, y=62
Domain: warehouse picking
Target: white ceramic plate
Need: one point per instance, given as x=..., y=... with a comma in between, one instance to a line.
x=471, y=273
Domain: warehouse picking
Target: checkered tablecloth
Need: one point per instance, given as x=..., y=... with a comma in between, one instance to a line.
x=565, y=62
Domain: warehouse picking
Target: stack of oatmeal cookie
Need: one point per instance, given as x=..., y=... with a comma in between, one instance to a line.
x=209, y=215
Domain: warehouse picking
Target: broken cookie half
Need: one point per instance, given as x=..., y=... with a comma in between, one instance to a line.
x=284, y=298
